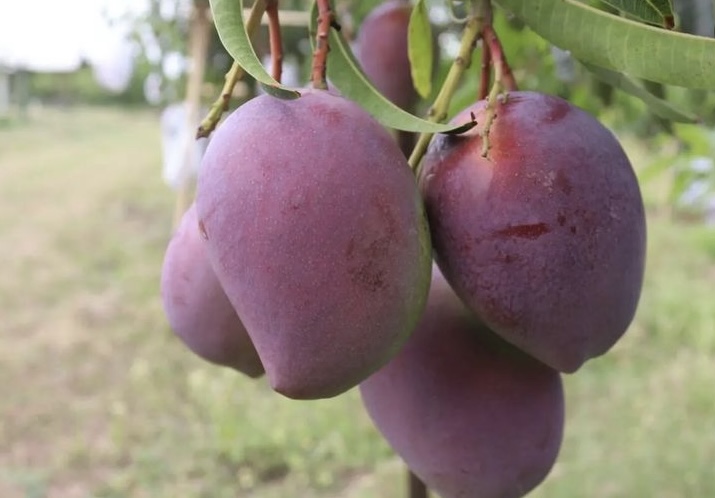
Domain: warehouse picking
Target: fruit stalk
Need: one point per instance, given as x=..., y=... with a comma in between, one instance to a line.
x=503, y=80
x=233, y=76
x=491, y=39
x=326, y=20
x=438, y=111
x=486, y=75
x=276, y=43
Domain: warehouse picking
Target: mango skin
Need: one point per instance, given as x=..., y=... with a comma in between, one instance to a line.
x=471, y=415
x=545, y=238
x=317, y=232
x=196, y=306
x=381, y=49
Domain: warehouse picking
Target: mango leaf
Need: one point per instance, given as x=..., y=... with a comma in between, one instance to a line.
x=344, y=72
x=228, y=18
x=658, y=106
x=653, y=11
x=419, y=45
x=620, y=44
x=682, y=180
x=655, y=169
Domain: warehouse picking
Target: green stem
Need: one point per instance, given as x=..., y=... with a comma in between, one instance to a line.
x=438, y=111
x=233, y=76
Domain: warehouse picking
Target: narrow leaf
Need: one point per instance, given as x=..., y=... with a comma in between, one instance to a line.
x=659, y=106
x=652, y=11
x=228, y=18
x=344, y=72
x=620, y=44
x=419, y=43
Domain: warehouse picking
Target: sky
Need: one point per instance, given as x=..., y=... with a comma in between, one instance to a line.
x=53, y=35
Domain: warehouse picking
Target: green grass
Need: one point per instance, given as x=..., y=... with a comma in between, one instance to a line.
x=99, y=399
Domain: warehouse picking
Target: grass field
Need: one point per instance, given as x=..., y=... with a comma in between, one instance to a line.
x=97, y=398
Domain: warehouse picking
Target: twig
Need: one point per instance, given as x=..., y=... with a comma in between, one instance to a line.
x=233, y=76
x=484, y=8
x=326, y=20
x=276, y=43
x=438, y=111
x=486, y=71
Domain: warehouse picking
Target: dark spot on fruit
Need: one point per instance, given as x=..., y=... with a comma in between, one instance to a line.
x=386, y=215
x=573, y=230
x=465, y=247
x=202, y=230
x=557, y=110
x=499, y=312
x=179, y=300
x=331, y=116
x=529, y=231
x=368, y=272
x=563, y=183
x=561, y=219
x=368, y=276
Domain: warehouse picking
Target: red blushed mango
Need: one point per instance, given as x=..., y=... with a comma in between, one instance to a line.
x=471, y=415
x=198, y=310
x=316, y=231
x=544, y=238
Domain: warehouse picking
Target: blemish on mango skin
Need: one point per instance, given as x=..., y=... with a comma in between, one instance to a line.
x=368, y=276
x=527, y=231
x=202, y=230
x=367, y=271
x=365, y=268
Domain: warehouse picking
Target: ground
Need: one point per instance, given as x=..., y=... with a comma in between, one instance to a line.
x=97, y=397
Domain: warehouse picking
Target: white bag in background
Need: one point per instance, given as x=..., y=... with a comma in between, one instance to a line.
x=175, y=133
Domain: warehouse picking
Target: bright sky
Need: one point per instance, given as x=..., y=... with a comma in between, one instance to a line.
x=53, y=35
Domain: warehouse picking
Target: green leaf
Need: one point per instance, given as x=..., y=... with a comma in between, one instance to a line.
x=344, y=72
x=658, y=106
x=619, y=44
x=653, y=11
x=419, y=44
x=228, y=18
x=654, y=169
x=683, y=178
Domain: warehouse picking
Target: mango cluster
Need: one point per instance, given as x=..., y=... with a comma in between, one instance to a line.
x=454, y=300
